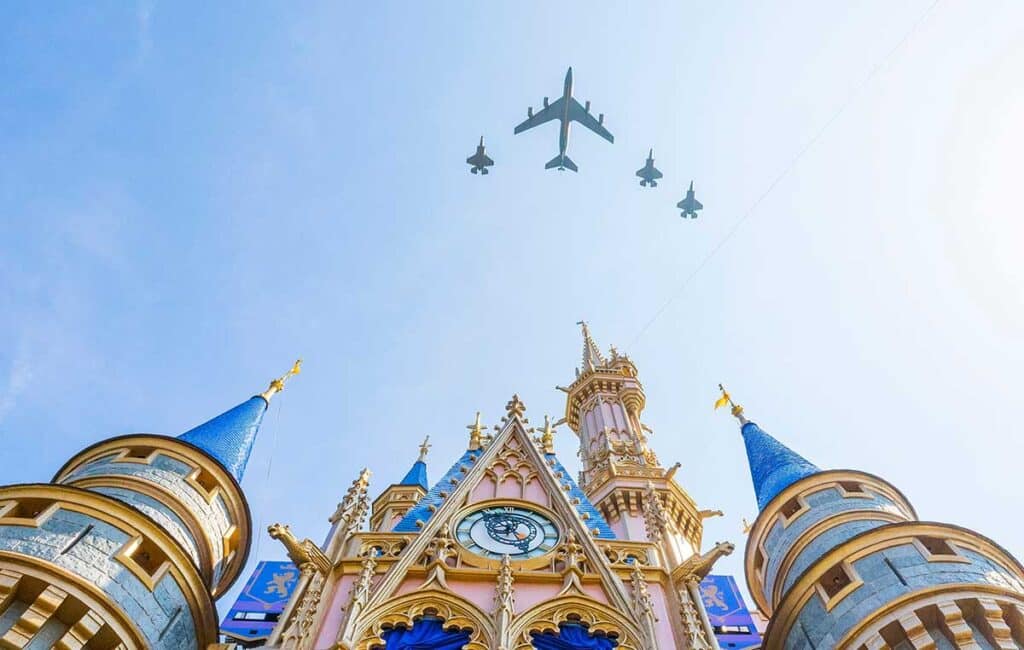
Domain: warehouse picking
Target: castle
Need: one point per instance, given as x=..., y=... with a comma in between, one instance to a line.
x=135, y=536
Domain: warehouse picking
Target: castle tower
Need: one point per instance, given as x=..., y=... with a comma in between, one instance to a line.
x=394, y=502
x=621, y=474
x=505, y=551
x=839, y=559
x=131, y=541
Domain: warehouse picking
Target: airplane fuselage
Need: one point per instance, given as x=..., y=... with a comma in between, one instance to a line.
x=563, y=136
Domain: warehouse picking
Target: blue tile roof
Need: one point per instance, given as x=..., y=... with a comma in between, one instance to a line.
x=230, y=436
x=773, y=465
x=422, y=511
x=583, y=504
x=417, y=475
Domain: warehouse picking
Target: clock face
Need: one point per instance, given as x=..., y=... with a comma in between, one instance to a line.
x=496, y=531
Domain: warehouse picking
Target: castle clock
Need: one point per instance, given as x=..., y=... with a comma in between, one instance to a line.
x=496, y=531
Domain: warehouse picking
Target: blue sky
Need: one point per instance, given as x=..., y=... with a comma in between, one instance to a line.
x=194, y=195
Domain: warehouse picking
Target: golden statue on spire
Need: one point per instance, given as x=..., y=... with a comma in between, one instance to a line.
x=737, y=410
x=277, y=385
x=476, y=431
x=547, y=437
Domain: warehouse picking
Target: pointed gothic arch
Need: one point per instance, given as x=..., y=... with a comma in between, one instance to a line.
x=404, y=611
x=597, y=617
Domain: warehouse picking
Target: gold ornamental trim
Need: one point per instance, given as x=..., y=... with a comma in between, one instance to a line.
x=598, y=617
x=405, y=610
x=922, y=598
x=85, y=592
x=133, y=523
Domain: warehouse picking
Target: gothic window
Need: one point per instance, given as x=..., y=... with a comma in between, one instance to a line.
x=427, y=633
x=572, y=636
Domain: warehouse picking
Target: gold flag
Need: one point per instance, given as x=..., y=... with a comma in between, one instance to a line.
x=723, y=400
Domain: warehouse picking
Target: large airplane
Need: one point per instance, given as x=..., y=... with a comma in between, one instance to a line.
x=689, y=205
x=567, y=110
x=479, y=161
x=649, y=175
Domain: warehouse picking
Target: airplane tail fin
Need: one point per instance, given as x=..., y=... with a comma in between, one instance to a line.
x=562, y=162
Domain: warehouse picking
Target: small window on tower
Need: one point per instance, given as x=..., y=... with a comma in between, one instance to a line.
x=936, y=548
x=149, y=557
x=793, y=509
x=26, y=512
x=145, y=559
x=851, y=487
x=137, y=453
x=836, y=583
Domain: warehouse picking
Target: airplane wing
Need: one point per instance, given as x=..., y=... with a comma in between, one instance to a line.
x=547, y=114
x=487, y=162
x=697, y=205
x=580, y=114
x=656, y=174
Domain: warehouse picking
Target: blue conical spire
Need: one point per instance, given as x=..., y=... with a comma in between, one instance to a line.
x=773, y=465
x=230, y=436
x=417, y=474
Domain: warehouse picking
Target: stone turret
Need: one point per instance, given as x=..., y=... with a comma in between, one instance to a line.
x=131, y=541
x=839, y=559
x=621, y=474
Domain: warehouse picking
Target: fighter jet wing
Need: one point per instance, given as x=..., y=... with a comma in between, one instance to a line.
x=546, y=114
x=480, y=159
x=580, y=114
x=655, y=173
x=697, y=205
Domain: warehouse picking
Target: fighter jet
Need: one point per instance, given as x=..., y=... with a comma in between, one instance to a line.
x=479, y=161
x=690, y=205
x=566, y=110
x=649, y=175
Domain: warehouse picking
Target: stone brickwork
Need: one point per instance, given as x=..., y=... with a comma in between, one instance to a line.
x=159, y=513
x=888, y=576
x=824, y=504
x=838, y=559
x=162, y=615
x=169, y=474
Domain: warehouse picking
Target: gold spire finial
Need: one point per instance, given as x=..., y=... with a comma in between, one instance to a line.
x=737, y=410
x=277, y=385
x=476, y=432
x=515, y=407
x=547, y=436
x=424, y=449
